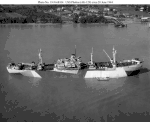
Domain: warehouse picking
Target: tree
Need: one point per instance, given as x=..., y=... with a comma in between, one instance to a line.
x=89, y=19
x=75, y=18
x=83, y=20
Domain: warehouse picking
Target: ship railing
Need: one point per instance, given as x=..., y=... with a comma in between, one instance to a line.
x=13, y=67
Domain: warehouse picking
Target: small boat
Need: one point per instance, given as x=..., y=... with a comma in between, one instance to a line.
x=102, y=78
x=121, y=25
x=145, y=19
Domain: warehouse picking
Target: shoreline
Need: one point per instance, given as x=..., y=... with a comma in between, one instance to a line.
x=133, y=20
x=48, y=23
x=30, y=23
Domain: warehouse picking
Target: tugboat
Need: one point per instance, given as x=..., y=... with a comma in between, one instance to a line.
x=112, y=69
x=29, y=69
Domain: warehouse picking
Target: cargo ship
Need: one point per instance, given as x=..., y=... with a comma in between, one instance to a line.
x=73, y=65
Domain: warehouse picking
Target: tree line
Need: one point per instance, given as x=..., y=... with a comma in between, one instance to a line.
x=36, y=14
x=27, y=15
x=89, y=19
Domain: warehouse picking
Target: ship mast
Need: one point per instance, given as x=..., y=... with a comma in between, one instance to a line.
x=75, y=50
x=40, y=56
x=114, y=55
x=92, y=56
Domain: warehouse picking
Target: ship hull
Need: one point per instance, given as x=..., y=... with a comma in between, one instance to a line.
x=114, y=73
x=29, y=73
x=132, y=67
x=133, y=70
x=40, y=74
x=90, y=73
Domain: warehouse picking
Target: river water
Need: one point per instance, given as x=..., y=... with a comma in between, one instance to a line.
x=58, y=97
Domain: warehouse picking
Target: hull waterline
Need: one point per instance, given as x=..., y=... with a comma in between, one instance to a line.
x=66, y=71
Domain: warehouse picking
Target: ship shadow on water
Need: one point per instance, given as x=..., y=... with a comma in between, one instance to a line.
x=17, y=76
x=21, y=77
x=19, y=80
x=140, y=71
x=144, y=70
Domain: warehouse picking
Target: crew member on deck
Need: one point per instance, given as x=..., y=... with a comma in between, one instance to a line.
x=72, y=58
x=33, y=65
